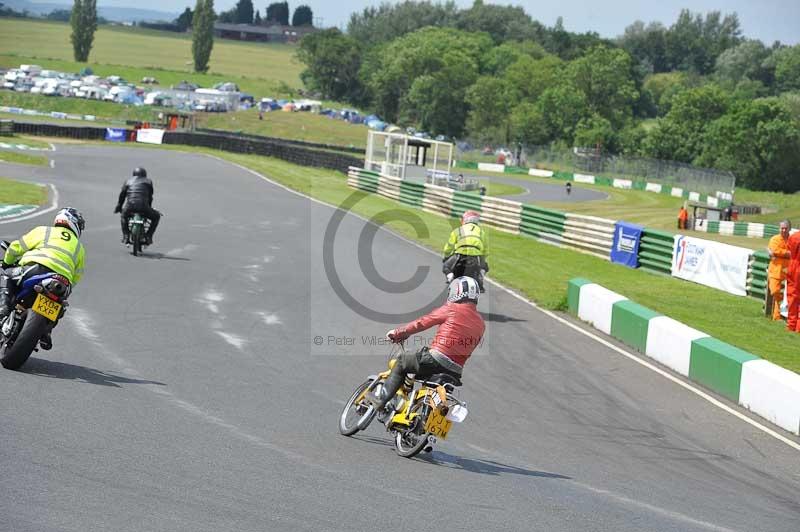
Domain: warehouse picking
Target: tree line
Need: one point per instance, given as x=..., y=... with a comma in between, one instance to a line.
x=696, y=92
x=275, y=13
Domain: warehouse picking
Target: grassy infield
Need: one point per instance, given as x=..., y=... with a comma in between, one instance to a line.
x=537, y=270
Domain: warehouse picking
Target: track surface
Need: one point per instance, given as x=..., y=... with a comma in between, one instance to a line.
x=185, y=391
x=536, y=192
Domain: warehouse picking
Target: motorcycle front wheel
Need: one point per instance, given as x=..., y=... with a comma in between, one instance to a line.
x=354, y=411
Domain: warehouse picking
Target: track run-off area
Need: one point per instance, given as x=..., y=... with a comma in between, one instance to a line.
x=198, y=388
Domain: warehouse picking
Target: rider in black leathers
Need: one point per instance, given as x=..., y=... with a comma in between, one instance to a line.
x=137, y=195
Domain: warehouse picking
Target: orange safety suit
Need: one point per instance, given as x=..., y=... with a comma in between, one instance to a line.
x=683, y=216
x=793, y=281
x=776, y=272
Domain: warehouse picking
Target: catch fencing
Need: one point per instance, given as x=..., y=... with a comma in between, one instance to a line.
x=587, y=234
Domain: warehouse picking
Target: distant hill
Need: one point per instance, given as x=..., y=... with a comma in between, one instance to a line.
x=116, y=14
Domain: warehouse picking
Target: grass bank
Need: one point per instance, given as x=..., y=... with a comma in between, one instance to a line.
x=540, y=271
x=9, y=156
x=151, y=53
x=17, y=193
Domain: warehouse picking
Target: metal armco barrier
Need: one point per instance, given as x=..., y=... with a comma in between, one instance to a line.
x=6, y=128
x=302, y=143
x=655, y=251
x=280, y=150
x=56, y=130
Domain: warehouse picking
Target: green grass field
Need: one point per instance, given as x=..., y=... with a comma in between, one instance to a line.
x=8, y=156
x=736, y=320
x=13, y=192
x=167, y=56
x=31, y=142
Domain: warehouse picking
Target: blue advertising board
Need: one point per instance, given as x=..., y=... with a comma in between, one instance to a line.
x=115, y=134
x=625, y=249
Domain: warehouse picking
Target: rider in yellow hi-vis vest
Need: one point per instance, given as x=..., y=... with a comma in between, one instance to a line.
x=466, y=250
x=56, y=248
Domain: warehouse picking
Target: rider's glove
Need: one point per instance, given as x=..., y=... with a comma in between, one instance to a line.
x=394, y=336
x=117, y=209
x=449, y=277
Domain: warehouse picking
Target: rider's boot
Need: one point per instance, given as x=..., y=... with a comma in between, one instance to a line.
x=6, y=297
x=389, y=390
x=46, y=342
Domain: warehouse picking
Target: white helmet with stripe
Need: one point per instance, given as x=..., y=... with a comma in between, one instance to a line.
x=463, y=289
x=71, y=219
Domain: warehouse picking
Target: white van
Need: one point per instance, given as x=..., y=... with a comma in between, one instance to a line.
x=30, y=69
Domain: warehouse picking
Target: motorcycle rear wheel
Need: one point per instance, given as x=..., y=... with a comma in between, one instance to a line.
x=349, y=426
x=136, y=239
x=34, y=326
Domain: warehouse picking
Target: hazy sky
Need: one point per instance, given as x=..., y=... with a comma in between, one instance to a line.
x=768, y=20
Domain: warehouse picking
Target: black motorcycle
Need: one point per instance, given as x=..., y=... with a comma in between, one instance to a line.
x=138, y=226
x=465, y=265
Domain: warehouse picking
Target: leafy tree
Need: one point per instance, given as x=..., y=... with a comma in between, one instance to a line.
x=502, y=23
x=303, y=16
x=646, y=45
x=744, y=61
x=664, y=86
x=61, y=15
x=528, y=125
x=594, y=131
x=760, y=141
x=680, y=135
x=376, y=25
x=561, y=108
x=84, y=23
x=490, y=100
x=278, y=13
x=184, y=20
x=229, y=16
x=604, y=76
x=694, y=43
x=244, y=12
x=333, y=61
x=499, y=58
x=530, y=77
x=202, y=34
x=787, y=68
x=257, y=18
x=446, y=57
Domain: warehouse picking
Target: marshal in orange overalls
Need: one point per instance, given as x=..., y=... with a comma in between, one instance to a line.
x=778, y=265
x=793, y=281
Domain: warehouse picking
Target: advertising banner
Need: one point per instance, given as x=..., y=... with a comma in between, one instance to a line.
x=625, y=248
x=115, y=134
x=150, y=136
x=713, y=264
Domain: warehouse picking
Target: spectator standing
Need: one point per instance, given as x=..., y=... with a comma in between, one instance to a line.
x=683, y=218
x=778, y=265
x=793, y=281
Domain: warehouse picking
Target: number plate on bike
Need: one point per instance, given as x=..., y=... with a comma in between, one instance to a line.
x=46, y=307
x=438, y=425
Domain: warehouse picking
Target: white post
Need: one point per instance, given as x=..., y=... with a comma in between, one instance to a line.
x=435, y=157
x=368, y=160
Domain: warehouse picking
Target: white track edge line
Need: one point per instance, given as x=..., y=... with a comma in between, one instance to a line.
x=53, y=206
x=606, y=343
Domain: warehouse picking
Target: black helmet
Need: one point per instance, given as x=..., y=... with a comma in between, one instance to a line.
x=139, y=172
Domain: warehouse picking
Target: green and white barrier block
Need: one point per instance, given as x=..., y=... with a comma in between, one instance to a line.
x=772, y=392
x=760, y=386
x=676, y=192
x=540, y=173
x=670, y=342
x=625, y=184
x=653, y=187
x=583, y=178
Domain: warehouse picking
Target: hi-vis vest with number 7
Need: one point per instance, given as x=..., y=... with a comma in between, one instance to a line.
x=56, y=248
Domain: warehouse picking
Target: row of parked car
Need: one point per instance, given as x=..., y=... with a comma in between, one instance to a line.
x=186, y=96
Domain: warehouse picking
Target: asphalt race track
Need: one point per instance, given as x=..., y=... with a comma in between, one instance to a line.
x=536, y=192
x=186, y=392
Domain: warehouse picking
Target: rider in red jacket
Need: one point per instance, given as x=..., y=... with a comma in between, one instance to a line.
x=460, y=331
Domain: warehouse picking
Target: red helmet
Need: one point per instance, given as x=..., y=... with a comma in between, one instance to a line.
x=470, y=217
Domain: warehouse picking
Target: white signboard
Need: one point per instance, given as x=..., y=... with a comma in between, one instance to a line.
x=714, y=264
x=150, y=136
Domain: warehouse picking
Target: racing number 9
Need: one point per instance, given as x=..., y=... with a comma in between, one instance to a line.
x=65, y=235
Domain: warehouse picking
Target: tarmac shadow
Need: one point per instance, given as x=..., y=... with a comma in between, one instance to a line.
x=499, y=318
x=160, y=256
x=41, y=367
x=483, y=467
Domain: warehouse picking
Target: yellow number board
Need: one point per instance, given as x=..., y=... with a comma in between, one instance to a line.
x=437, y=424
x=46, y=307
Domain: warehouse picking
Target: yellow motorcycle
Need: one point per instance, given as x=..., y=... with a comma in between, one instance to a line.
x=417, y=415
